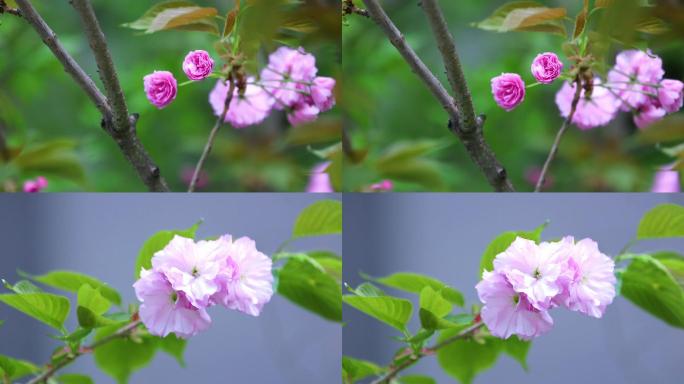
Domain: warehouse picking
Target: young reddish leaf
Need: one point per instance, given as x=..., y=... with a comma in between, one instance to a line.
x=182, y=15
x=529, y=17
x=230, y=20
x=581, y=20
x=525, y=16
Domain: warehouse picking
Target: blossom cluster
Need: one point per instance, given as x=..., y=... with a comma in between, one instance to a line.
x=188, y=277
x=36, y=185
x=635, y=83
x=509, y=88
x=289, y=82
x=530, y=279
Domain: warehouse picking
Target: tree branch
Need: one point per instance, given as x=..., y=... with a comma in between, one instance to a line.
x=212, y=135
x=415, y=357
x=123, y=332
x=559, y=136
x=472, y=137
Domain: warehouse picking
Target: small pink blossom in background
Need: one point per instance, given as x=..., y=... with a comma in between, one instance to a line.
x=186, y=177
x=303, y=113
x=319, y=180
x=245, y=110
x=508, y=90
x=322, y=93
x=546, y=67
x=533, y=174
x=287, y=71
x=382, y=186
x=670, y=95
x=198, y=65
x=507, y=312
x=666, y=180
x=161, y=88
x=36, y=185
x=647, y=115
x=630, y=65
x=596, y=111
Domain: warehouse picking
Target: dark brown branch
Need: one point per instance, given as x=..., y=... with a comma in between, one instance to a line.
x=4, y=8
x=472, y=138
x=559, y=136
x=348, y=8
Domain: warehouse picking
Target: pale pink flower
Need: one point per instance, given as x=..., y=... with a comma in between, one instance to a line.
x=546, y=67
x=245, y=110
x=634, y=70
x=247, y=280
x=192, y=267
x=670, y=95
x=591, y=286
x=319, y=180
x=164, y=310
x=534, y=269
x=648, y=114
x=322, y=93
x=507, y=312
x=597, y=110
x=35, y=186
x=198, y=65
x=666, y=181
x=508, y=90
x=382, y=186
x=303, y=112
x=287, y=70
x=161, y=88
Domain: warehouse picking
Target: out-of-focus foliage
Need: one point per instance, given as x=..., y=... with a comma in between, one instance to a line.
x=50, y=128
x=390, y=110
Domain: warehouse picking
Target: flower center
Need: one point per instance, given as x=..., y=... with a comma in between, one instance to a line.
x=195, y=272
x=516, y=298
x=174, y=297
x=536, y=274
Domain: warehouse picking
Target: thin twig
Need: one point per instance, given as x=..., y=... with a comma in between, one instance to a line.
x=349, y=8
x=212, y=135
x=4, y=8
x=415, y=357
x=559, y=136
x=123, y=332
x=473, y=139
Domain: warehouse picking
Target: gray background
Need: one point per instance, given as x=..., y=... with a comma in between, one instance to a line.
x=100, y=234
x=444, y=235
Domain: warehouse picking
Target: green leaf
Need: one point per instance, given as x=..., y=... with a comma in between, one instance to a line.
x=415, y=283
x=416, y=379
x=91, y=306
x=525, y=16
x=647, y=283
x=72, y=281
x=23, y=286
x=323, y=217
x=45, y=307
x=674, y=263
x=390, y=310
x=368, y=290
x=331, y=263
x=502, y=242
x=74, y=378
x=119, y=358
x=182, y=15
x=432, y=301
x=157, y=242
x=56, y=158
x=309, y=287
x=14, y=368
x=174, y=346
x=665, y=220
x=354, y=370
x=517, y=349
x=465, y=358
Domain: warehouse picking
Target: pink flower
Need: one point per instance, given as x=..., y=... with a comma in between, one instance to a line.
x=247, y=280
x=670, y=95
x=546, y=67
x=302, y=113
x=187, y=173
x=634, y=70
x=507, y=312
x=198, y=65
x=192, y=268
x=532, y=175
x=666, y=181
x=648, y=114
x=161, y=88
x=35, y=186
x=245, y=110
x=164, y=310
x=322, y=93
x=591, y=286
x=382, y=186
x=319, y=180
x=597, y=110
x=534, y=269
x=508, y=90
x=287, y=71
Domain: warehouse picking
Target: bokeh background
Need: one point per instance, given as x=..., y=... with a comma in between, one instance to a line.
x=40, y=105
x=444, y=235
x=101, y=234
x=391, y=110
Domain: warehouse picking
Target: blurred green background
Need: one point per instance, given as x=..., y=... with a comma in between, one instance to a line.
x=46, y=116
x=392, y=115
